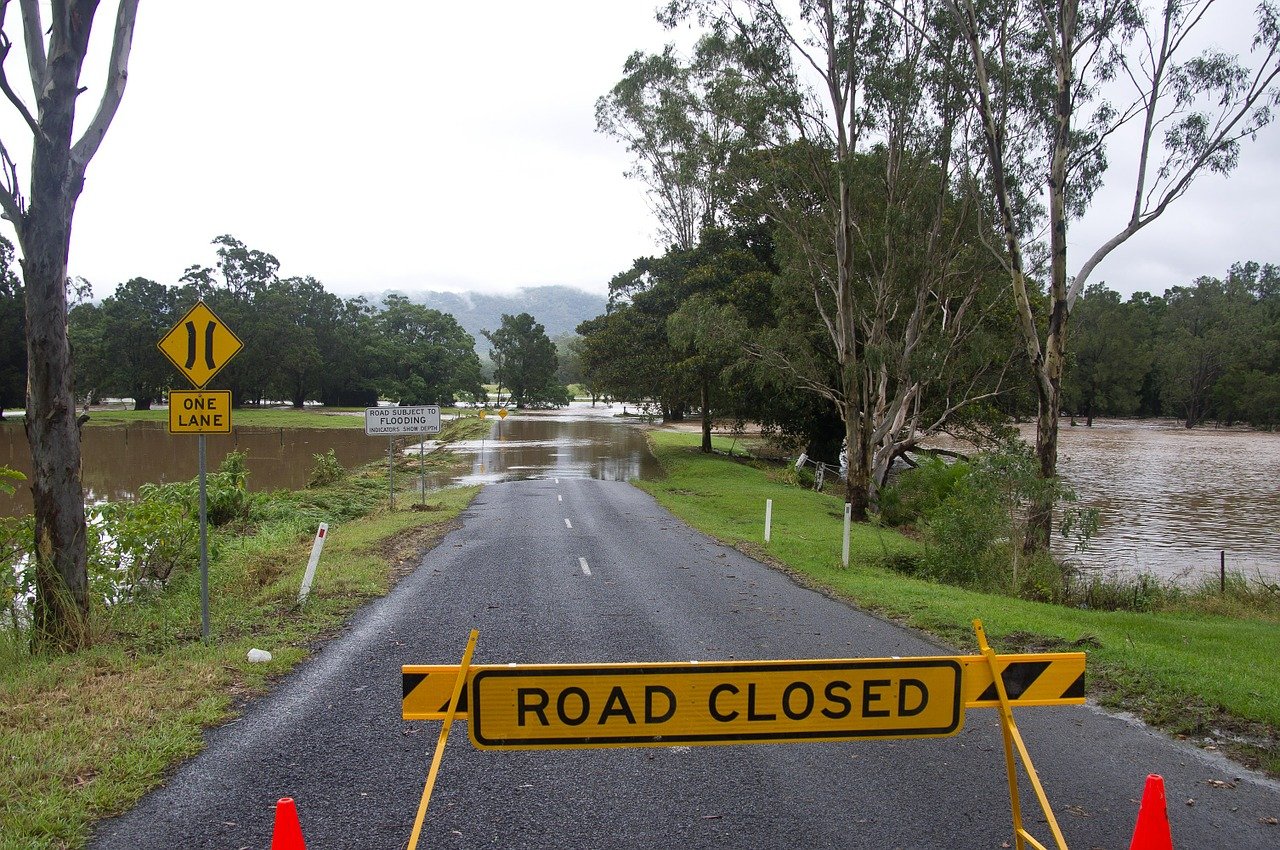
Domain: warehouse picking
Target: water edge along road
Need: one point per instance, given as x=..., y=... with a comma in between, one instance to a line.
x=575, y=570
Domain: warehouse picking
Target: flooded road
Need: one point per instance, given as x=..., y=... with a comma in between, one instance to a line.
x=579, y=442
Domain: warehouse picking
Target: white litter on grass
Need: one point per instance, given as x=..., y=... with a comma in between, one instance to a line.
x=258, y=656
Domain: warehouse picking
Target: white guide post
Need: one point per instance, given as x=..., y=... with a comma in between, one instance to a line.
x=316, y=548
x=844, y=551
x=768, y=518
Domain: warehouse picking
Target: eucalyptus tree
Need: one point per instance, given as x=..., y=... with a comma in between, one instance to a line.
x=673, y=115
x=116, y=342
x=233, y=288
x=1054, y=83
x=854, y=113
x=41, y=214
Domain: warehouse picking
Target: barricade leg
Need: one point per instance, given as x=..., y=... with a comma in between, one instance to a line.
x=1013, y=740
x=458, y=685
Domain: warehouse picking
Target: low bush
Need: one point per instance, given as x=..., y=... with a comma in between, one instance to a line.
x=326, y=471
x=918, y=493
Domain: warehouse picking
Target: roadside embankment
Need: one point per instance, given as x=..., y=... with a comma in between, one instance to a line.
x=1208, y=677
x=85, y=735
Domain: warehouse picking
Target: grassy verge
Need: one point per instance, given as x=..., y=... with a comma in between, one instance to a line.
x=1202, y=675
x=84, y=736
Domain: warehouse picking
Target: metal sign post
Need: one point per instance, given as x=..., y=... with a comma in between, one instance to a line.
x=199, y=345
x=204, y=549
x=395, y=421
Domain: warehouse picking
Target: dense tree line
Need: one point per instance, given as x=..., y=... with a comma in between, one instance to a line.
x=916, y=168
x=301, y=342
x=1206, y=351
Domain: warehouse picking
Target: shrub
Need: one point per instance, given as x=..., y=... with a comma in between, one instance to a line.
x=976, y=532
x=326, y=471
x=918, y=493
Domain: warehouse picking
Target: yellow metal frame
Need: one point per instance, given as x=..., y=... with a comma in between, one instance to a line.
x=1012, y=740
x=442, y=740
x=1014, y=746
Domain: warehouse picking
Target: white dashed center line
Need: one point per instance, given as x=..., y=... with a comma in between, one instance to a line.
x=586, y=570
x=567, y=524
x=559, y=498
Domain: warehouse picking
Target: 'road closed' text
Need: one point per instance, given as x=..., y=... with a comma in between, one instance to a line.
x=720, y=703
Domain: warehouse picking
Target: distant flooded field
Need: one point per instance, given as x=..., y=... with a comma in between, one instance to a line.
x=119, y=459
x=1173, y=499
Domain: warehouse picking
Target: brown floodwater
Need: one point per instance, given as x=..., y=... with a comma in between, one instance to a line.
x=119, y=459
x=1173, y=499
x=578, y=442
x=1170, y=499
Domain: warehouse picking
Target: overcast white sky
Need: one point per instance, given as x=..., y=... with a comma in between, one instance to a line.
x=423, y=145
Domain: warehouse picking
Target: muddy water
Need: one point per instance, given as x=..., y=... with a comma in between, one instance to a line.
x=580, y=442
x=117, y=460
x=1171, y=499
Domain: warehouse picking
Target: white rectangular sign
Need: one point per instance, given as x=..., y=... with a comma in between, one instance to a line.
x=390, y=421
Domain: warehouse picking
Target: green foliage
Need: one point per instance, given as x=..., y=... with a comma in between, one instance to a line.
x=425, y=357
x=525, y=361
x=142, y=541
x=975, y=519
x=13, y=335
x=919, y=492
x=326, y=471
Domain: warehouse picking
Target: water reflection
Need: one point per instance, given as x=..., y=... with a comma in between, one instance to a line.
x=118, y=460
x=581, y=442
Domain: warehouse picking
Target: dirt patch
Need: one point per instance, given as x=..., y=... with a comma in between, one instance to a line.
x=404, y=551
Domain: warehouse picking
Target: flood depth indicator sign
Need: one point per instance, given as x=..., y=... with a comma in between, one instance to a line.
x=394, y=421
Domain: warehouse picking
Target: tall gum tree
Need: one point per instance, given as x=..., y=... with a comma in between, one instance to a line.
x=855, y=118
x=1044, y=72
x=41, y=216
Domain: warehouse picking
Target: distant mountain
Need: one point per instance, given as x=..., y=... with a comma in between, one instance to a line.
x=560, y=309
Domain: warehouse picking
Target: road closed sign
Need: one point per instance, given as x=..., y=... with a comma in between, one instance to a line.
x=391, y=421
x=628, y=705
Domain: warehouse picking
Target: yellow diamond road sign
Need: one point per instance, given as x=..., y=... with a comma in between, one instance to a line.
x=200, y=345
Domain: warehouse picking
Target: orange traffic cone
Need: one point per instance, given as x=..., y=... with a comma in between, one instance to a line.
x=288, y=832
x=1152, y=829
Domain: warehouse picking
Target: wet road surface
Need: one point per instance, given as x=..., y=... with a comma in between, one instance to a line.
x=331, y=735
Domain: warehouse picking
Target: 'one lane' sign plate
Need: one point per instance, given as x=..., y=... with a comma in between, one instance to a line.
x=391, y=421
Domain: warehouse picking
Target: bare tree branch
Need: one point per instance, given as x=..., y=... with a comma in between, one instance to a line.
x=117, y=76
x=33, y=33
x=5, y=46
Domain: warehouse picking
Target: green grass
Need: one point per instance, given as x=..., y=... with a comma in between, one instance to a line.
x=1189, y=672
x=84, y=736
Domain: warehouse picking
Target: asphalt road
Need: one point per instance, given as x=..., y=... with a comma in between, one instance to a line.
x=593, y=571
